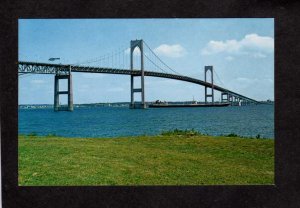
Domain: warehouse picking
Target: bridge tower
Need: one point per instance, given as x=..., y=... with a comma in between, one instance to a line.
x=209, y=68
x=63, y=75
x=142, y=105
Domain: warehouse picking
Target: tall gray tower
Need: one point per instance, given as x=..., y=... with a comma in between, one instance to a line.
x=133, y=45
x=209, y=68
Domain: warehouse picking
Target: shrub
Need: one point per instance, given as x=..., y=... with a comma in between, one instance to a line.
x=231, y=135
x=179, y=132
x=32, y=134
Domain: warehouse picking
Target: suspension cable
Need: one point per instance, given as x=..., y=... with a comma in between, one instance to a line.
x=154, y=63
x=103, y=57
x=219, y=78
x=160, y=59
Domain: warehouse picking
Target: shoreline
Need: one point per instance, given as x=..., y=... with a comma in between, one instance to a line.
x=174, y=132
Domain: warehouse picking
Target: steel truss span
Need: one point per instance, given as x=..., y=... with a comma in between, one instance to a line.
x=46, y=68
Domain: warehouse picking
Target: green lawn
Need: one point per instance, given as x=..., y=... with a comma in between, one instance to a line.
x=145, y=160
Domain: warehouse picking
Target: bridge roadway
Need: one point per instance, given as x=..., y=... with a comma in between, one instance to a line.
x=46, y=68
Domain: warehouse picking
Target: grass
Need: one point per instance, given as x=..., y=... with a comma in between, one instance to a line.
x=173, y=158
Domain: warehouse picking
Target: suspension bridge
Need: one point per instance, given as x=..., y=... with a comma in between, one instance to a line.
x=117, y=63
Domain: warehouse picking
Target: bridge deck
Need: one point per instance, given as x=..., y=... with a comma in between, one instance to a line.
x=46, y=68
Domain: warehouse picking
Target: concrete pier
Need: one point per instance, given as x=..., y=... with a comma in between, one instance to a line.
x=69, y=92
x=226, y=99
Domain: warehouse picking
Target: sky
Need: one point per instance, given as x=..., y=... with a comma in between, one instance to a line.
x=241, y=51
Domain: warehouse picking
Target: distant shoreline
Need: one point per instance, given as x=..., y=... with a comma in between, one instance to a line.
x=114, y=104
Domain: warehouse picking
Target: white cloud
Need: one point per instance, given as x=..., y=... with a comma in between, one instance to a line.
x=253, y=44
x=172, y=51
x=37, y=81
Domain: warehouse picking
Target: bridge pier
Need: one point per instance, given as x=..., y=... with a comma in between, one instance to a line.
x=230, y=99
x=239, y=101
x=209, y=68
x=224, y=99
x=69, y=92
x=234, y=100
x=133, y=104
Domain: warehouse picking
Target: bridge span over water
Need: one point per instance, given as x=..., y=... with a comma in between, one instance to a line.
x=64, y=71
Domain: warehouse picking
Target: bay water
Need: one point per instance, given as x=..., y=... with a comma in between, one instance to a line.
x=248, y=121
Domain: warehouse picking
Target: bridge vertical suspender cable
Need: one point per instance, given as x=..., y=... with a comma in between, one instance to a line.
x=110, y=59
x=220, y=79
x=163, y=63
x=153, y=60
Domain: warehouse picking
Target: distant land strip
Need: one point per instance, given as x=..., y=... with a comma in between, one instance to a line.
x=113, y=104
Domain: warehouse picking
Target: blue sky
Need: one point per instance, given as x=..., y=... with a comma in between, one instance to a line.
x=240, y=50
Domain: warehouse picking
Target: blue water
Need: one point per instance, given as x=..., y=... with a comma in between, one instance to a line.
x=113, y=122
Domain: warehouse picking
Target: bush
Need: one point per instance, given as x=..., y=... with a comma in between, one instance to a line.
x=235, y=135
x=232, y=135
x=179, y=132
x=32, y=134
